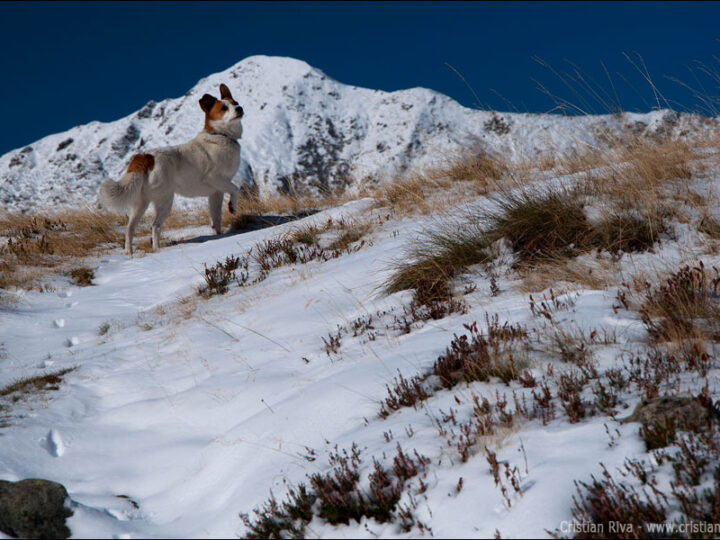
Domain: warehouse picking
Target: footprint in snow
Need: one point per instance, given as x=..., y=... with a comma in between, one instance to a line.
x=59, y=323
x=71, y=342
x=54, y=443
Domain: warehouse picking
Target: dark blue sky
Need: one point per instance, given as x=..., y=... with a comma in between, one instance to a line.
x=68, y=63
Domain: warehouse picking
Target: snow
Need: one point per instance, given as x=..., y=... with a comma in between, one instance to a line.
x=197, y=418
x=182, y=412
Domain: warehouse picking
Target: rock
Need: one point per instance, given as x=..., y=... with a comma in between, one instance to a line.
x=34, y=508
x=684, y=413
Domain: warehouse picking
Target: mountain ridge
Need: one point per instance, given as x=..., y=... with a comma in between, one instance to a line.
x=302, y=131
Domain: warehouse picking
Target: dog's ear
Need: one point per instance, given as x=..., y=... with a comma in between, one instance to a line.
x=207, y=102
x=225, y=92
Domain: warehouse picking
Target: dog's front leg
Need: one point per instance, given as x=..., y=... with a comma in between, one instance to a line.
x=232, y=203
x=215, y=211
x=227, y=187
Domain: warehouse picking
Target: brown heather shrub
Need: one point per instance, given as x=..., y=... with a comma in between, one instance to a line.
x=431, y=300
x=501, y=353
x=639, y=501
x=337, y=498
x=219, y=276
x=487, y=424
x=603, y=502
x=404, y=393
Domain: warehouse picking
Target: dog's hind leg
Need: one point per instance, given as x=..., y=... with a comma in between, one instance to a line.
x=215, y=211
x=162, y=211
x=136, y=213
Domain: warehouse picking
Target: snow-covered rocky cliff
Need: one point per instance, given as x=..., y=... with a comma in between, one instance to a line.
x=302, y=128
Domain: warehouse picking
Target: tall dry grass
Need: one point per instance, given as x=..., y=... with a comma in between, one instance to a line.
x=455, y=176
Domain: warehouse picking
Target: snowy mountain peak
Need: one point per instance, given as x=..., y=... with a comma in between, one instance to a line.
x=302, y=129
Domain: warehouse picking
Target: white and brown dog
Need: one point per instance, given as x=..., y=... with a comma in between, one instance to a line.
x=203, y=167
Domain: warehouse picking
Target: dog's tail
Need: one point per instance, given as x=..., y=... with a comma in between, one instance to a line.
x=119, y=196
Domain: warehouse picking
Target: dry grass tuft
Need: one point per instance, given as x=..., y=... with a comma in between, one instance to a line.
x=407, y=195
x=42, y=241
x=349, y=232
x=439, y=255
x=540, y=225
x=34, y=385
x=82, y=276
x=472, y=165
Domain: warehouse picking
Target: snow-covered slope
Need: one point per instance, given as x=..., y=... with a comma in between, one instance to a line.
x=182, y=412
x=178, y=417
x=302, y=128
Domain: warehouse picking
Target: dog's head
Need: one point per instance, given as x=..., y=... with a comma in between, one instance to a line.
x=222, y=115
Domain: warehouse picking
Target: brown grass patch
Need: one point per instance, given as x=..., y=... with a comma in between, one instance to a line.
x=38, y=245
x=82, y=276
x=469, y=172
x=34, y=385
x=349, y=232
x=646, y=174
x=472, y=165
x=540, y=225
x=406, y=196
x=596, y=273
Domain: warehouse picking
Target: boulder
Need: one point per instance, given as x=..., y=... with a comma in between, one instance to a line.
x=34, y=508
x=684, y=413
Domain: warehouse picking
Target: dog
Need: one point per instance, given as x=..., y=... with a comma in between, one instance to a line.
x=203, y=167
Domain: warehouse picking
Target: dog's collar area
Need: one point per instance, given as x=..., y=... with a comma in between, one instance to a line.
x=215, y=133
